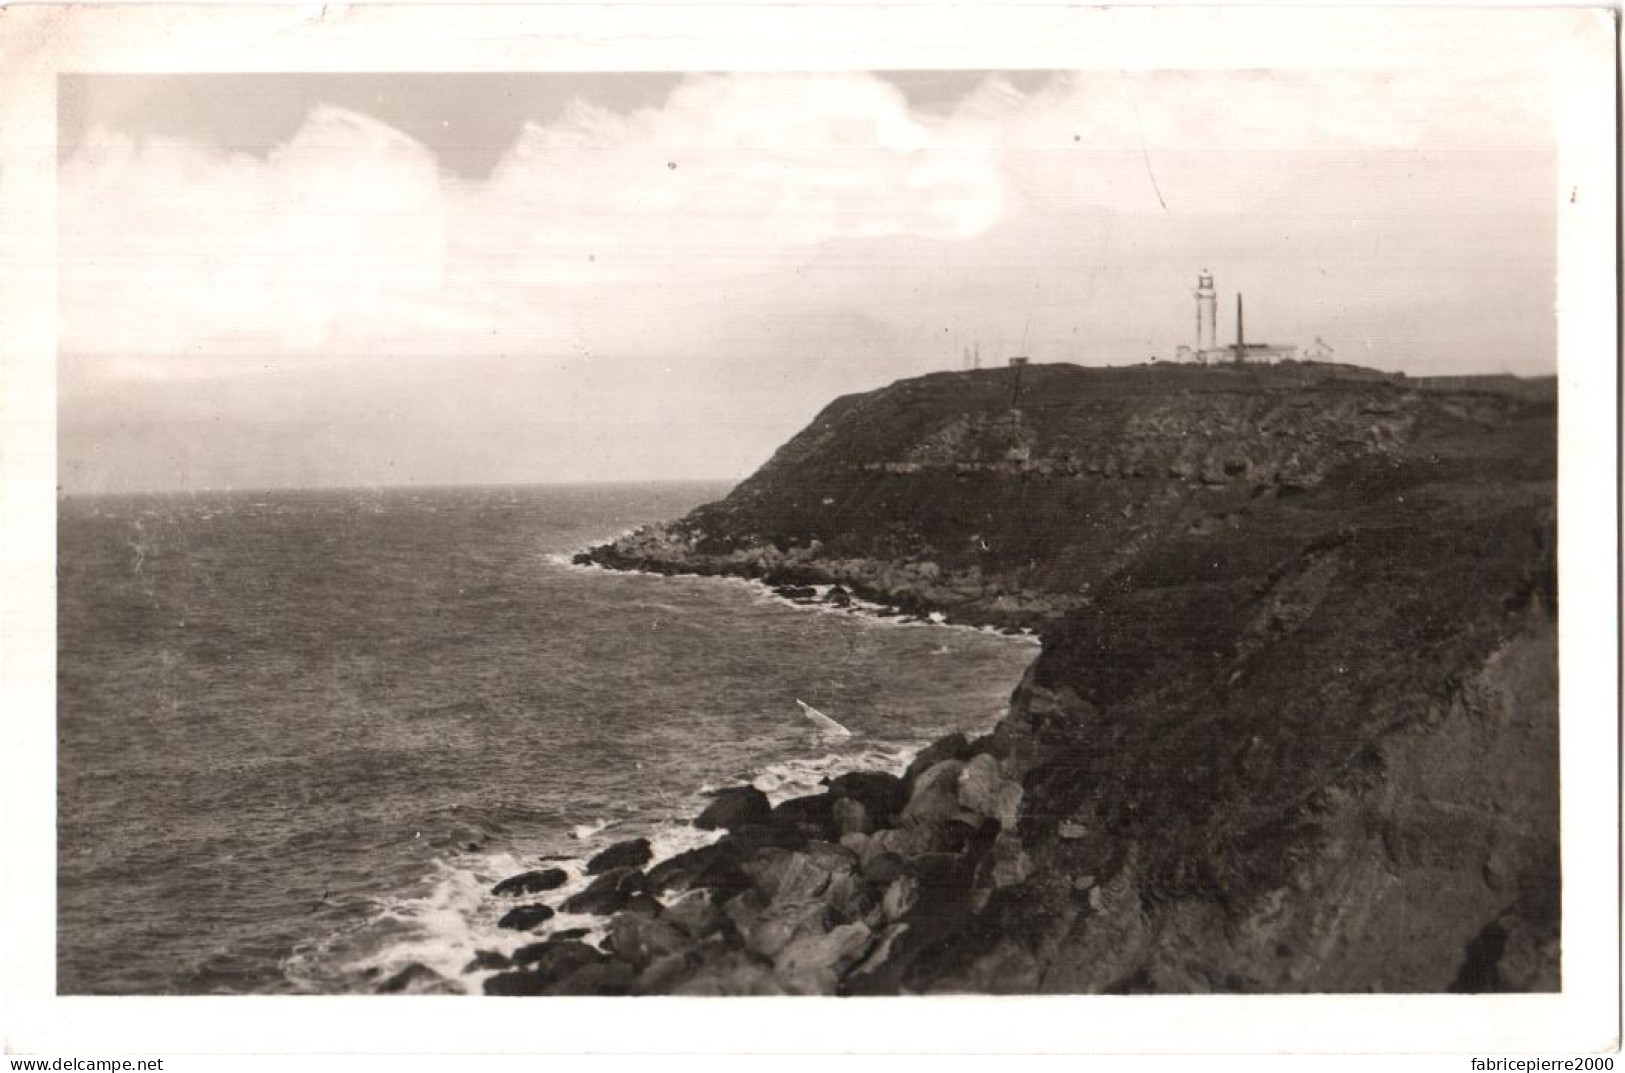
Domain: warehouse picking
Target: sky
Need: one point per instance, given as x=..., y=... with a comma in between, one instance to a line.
x=322, y=279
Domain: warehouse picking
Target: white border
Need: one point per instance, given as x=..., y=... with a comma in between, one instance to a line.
x=1577, y=45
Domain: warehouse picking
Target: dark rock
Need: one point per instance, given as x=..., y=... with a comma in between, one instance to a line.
x=525, y=917
x=664, y=975
x=608, y=893
x=606, y=977
x=882, y=796
x=581, y=558
x=414, y=977
x=953, y=747
x=901, y=894
x=697, y=915
x=733, y=808
x=486, y=960
x=716, y=866
x=634, y=853
x=812, y=816
x=811, y=964
x=781, y=922
x=880, y=951
x=554, y=959
x=851, y=818
x=786, y=835
x=903, y=841
x=883, y=867
x=944, y=882
x=850, y=896
x=638, y=940
x=832, y=857
x=799, y=593
x=986, y=792
x=782, y=876
x=838, y=596
x=737, y=973
x=935, y=796
x=644, y=904
x=743, y=910
x=514, y=983
x=569, y=933
x=952, y=836
x=532, y=882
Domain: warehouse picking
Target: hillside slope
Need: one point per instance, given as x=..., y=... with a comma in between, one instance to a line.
x=1294, y=723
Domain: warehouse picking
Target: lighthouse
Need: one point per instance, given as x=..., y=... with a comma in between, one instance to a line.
x=1207, y=314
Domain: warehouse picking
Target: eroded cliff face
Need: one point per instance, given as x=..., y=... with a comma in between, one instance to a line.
x=1294, y=724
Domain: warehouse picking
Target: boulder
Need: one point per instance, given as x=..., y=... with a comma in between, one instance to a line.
x=810, y=817
x=532, y=882
x=744, y=910
x=638, y=940
x=607, y=977
x=696, y=915
x=880, y=950
x=851, y=818
x=781, y=922
x=488, y=960
x=881, y=795
x=953, y=747
x=799, y=593
x=903, y=841
x=525, y=917
x=553, y=959
x=901, y=895
x=985, y=791
x=642, y=902
x=733, y=808
x=633, y=853
x=881, y=868
x=737, y=973
x=783, y=876
x=813, y=964
x=716, y=866
x=850, y=897
x=831, y=857
x=952, y=836
x=607, y=894
x=945, y=880
x=935, y=797
x=514, y=983
x=663, y=975
x=1008, y=863
x=419, y=979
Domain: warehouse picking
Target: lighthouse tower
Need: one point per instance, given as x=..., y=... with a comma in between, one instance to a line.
x=1207, y=315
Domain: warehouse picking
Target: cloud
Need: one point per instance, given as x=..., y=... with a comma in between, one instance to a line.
x=768, y=241
x=350, y=236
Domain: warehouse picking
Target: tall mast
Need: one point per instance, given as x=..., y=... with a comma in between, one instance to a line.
x=1241, y=339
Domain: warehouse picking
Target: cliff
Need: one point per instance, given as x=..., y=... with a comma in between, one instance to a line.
x=1293, y=726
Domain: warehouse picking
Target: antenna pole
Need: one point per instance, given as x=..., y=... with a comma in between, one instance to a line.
x=1241, y=342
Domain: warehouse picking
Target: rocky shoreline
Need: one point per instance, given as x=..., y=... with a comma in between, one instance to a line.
x=814, y=896
x=1293, y=726
x=903, y=590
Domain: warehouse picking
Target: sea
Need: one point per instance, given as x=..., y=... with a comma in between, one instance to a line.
x=300, y=734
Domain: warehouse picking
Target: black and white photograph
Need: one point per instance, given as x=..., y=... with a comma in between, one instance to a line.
x=1028, y=521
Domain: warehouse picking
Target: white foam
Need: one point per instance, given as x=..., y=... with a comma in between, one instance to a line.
x=583, y=831
x=827, y=727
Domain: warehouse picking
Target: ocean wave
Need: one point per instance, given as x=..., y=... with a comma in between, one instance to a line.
x=455, y=917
